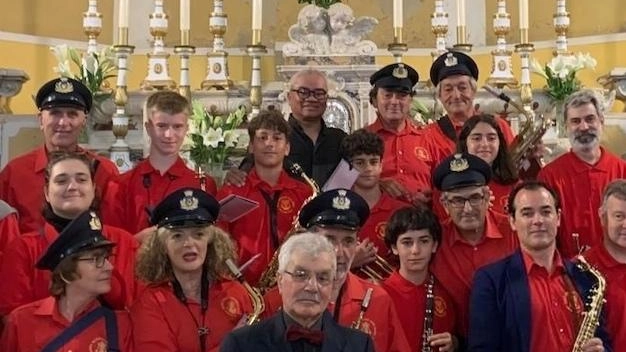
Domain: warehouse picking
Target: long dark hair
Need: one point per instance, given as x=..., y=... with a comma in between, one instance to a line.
x=504, y=172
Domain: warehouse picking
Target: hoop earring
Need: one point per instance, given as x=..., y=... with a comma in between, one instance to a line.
x=67, y=282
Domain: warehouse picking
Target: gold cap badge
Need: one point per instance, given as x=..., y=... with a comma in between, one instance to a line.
x=63, y=86
x=459, y=163
x=189, y=202
x=95, y=223
x=451, y=60
x=400, y=72
x=341, y=202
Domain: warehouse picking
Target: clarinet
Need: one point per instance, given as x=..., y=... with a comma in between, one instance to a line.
x=364, y=305
x=428, y=315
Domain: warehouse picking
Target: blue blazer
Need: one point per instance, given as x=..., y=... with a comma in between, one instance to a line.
x=500, y=306
x=269, y=336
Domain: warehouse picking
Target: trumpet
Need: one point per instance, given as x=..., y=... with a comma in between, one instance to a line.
x=258, y=305
x=268, y=277
x=378, y=270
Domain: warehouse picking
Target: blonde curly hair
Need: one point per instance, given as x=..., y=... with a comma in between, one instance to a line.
x=154, y=267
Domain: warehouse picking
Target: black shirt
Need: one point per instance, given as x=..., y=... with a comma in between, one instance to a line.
x=317, y=160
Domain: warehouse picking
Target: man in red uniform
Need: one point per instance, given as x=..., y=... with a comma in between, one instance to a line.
x=533, y=300
x=406, y=163
x=364, y=151
x=473, y=235
x=337, y=215
x=610, y=258
x=279, y=196
x=132, y=195
x=580, y=175
x=63, y=105
x=454, y=76
x=424, y=306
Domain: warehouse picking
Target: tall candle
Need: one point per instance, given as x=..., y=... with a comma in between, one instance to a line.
x=397, y=13
x=523, y=14
x=123, y=14
x=460, y=13
x=257, y=14
x=184, y=15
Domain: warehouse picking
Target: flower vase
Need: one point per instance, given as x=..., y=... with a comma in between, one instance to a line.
x=217, y=172
x=559, y=119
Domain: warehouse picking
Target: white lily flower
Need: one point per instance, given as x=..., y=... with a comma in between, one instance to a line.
x=213, y=137
x=244, y=139
x=230, y=139
x=536, y=67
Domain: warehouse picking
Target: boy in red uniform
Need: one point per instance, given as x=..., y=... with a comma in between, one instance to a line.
x=63, y=105
x=72, y=318
x=413, y=234
x=364, y=150
x=279, y=195
x=130, y=196
x=610, y=258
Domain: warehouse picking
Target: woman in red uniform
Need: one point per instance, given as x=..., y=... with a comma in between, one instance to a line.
x=481, y=136
x=69, y=191
x=189, y=304
x=72, y=318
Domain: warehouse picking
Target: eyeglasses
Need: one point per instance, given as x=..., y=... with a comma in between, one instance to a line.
x=305, y=93
x=97, y=260
x=459, y=202
x=302, y=276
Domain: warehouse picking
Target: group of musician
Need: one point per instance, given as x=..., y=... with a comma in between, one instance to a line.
x=443, y=242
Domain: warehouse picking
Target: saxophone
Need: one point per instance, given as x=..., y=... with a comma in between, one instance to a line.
x=268, y=277
x=529, y=135
x=591, y=317
x=258, y=305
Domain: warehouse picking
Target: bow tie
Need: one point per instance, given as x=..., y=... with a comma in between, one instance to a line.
x=295, y=332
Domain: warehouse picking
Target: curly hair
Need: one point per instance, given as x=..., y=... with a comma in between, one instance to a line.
x=269, y=120
x=360, y=142
x=503, y=170
x=154, y=266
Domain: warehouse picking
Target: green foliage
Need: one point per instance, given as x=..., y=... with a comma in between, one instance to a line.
x=321, y=3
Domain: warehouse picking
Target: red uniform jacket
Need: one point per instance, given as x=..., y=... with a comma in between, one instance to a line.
x=32, y=326
x=252, y=231
x=615, y=298
x=130, y=194
x=456, y=260
x=405, y=159
x=380, y=320
x=439, y=146
x=410, y=302
x=22, y=182
x=9, y=230
x=580, y=187
x=24, y=284
x=161, y=322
